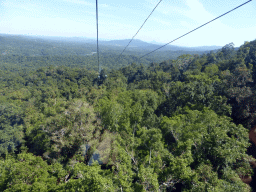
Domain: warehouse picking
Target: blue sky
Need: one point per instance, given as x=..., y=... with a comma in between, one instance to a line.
x=119, y=19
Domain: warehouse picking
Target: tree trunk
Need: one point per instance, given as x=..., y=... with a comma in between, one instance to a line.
x=149, y=156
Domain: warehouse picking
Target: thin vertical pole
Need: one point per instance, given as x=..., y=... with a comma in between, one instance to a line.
x=97, y=35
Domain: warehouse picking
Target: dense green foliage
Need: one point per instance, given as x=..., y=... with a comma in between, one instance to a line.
x=177, y=125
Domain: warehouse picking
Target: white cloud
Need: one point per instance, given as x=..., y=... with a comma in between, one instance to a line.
x=56, y=26
x=103, y=5
x=26, y=8
x=197, y=12
x=191, y=9
x=186, y=24
x=186, y=16
x=160, y=21
x=12, y=5
x=79, y=2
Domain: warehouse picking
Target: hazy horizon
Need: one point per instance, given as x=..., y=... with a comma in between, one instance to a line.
x=102, y=39
x=121, y=20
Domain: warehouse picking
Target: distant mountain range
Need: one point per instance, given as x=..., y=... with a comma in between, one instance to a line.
x=142, y=44
x=135, y=44
x=26, y=50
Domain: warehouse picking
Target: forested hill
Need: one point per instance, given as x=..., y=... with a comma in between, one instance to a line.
x=177, y=125
x=34, y=52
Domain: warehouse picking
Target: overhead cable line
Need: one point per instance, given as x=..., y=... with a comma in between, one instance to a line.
x=97, y=35
x=140, y=28
x=197, y=28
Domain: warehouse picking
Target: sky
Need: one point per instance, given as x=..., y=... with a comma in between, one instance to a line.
x=121, y=19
